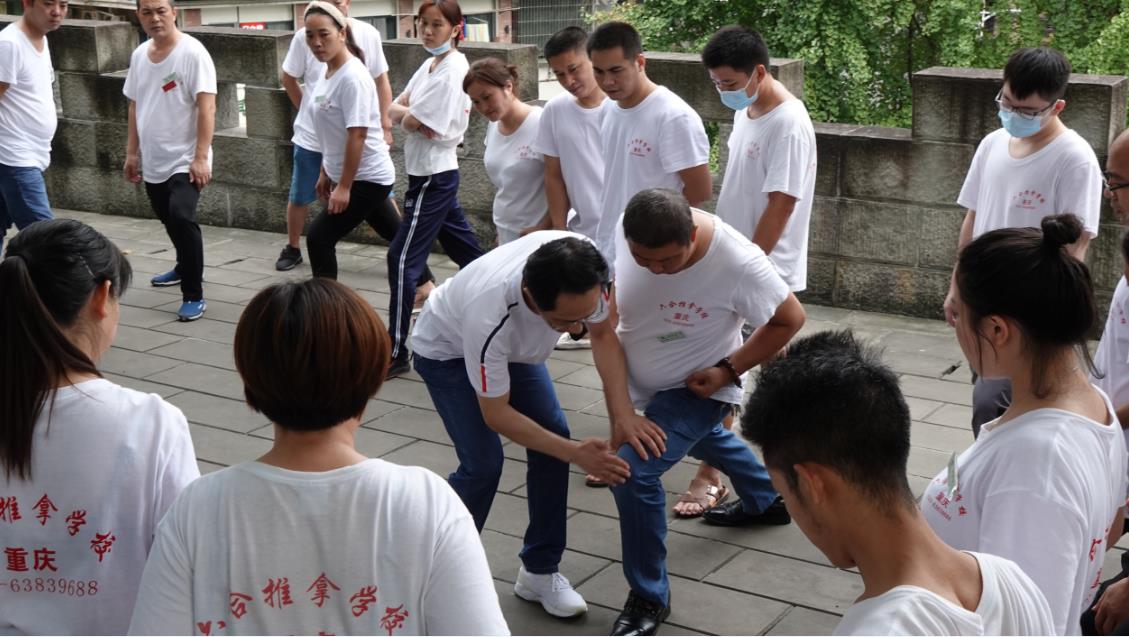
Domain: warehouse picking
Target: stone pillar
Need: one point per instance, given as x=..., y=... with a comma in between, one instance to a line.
x=684, y=74
x=406, y=22
x=504, y=29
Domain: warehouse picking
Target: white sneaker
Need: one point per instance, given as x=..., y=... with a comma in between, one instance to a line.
x=567, y=342
x=554, y=592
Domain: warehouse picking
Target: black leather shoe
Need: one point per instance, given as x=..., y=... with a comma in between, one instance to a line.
x=398, y=367
x=640, y=616
x=734, y=514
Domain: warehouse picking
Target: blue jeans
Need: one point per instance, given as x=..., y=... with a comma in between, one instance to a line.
x=23, y=198
x=480, y=452
x=304, y=178
x=692, y=426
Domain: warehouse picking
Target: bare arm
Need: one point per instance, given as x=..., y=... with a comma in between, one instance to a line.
x=774, y=220
x=384, y=97
x=962, y=240
x=556, y=193
x=293, y=89
x=199, y=172
x=697, y=185
x=3, y=89
x=591, y=454
x=132, y=148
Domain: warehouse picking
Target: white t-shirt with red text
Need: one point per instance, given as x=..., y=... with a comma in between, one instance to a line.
x=343, y=101
x=107, y=462
x=436, y=99
x=671, y=325
x=772, y=153
x=645, y=146
x=1041, y=490
x=571, y=133
x=370, y=549
x=1062, y=177
x=27, y=108
x=1010, y=604
x=480, y=316
x=518, y=173
x=1112, y=356
x=300, y=63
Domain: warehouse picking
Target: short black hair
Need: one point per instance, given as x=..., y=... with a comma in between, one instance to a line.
x=568, y=265
x=830, y=400
x=658, y=217
x=1041, y=71
x=736, y=47
x=1125, y=246
x=567, y=39
x=172, y=4
x=616, y=34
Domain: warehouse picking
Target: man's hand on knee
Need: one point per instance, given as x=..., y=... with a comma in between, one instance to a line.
x=641, y=433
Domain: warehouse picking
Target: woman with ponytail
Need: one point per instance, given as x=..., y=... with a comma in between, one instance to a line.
x=434, y=111
x=1043, y=484
x=89, y=466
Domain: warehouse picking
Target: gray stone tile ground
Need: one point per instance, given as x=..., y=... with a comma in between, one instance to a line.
x=724, y=581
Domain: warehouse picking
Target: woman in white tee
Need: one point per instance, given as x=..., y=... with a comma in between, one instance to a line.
x=89, y=466
x=313, y=537
x=1043, y=484
x=516, y=170
x=434, y=111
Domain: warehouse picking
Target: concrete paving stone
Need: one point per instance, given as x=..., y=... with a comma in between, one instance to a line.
x=526, y=618
x=134, y=364
x=917, y=485
x=954, y=416
x=944, y=391
x=227, y=293
x=378, y=300
x=790, y=580
x=205, y=329
x=368, y=279
x=195, y=350
x=423, y=424
x=598, y=408
x=583, y=356
x=787, y=540
x=873, y=321
x=143, y=317
x=205, y=379
x=442, y=460
x=596, y=500
x=148, y=297
x=826, y=313
x=687, y=555
x=217, y=310
x=222, y=413
x=502, y=553
x=697, y=605
x=921, y=364
x=375, y=408
x=926, y=463
x=145, y=265
x=208, y=467
x=241, y=262
x=144, y=386
x=224, y=276
x=938, y=345
x=404, y=391
x=141, y=340
x=558, y=368
x=220, y=446
x=586, y=376
x=804, y=621
x=938, y=438
x=919, y=408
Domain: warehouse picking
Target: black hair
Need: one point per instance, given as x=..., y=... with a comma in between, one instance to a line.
x=568, y=265
x=1125, y=246
x=49, y=271
x=350, y=42
x=830, y=400
x=616, y=34
x=567, y=39
x=658, y=217
x=1029, y=276
x=736, y=47
x=172, y=4
x=1041, y=71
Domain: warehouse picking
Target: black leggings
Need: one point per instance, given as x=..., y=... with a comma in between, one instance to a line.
x=367, y=202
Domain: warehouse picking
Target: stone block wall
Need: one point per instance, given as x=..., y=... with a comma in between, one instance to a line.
x=884, y=222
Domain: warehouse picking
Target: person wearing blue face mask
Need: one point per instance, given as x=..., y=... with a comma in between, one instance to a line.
x=1032, y=167
x=434, y=111
x=766, y=195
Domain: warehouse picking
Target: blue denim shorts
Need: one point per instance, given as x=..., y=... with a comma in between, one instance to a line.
x=304, y=179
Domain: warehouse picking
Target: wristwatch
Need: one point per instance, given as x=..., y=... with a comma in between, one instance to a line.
x=727, y=365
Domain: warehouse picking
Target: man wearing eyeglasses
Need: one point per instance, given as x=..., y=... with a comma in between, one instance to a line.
x=480, y=344
x=1032, y=167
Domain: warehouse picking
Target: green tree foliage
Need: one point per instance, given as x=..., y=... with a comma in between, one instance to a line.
x=859, y=54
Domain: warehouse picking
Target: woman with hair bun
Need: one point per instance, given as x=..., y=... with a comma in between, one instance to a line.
x=515, y=169
x=1044, y=483
x=90, y=467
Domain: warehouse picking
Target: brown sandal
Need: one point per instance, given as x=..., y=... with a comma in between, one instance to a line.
x=707, y=498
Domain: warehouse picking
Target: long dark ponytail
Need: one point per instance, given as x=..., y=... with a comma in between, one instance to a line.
x=47, y=275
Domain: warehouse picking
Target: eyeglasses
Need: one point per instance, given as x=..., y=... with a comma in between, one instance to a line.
x=1111, y=186
x=1020, y=112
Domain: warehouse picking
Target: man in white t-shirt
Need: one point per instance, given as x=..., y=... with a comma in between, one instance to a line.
x=1031, y=168
x=27, y=113
x=300, y=64
x=480, y=344
x=651, y=138
x=812, y=413
x=1110, y=615
x=171, y=86
x=677, y=354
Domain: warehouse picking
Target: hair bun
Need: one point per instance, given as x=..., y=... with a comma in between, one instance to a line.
x=1061, y=230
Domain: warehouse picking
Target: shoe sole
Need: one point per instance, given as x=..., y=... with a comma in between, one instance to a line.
x=189, y=319
x=288, y=267
x=164, y=284
x=571, y=346
x=528, y=595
